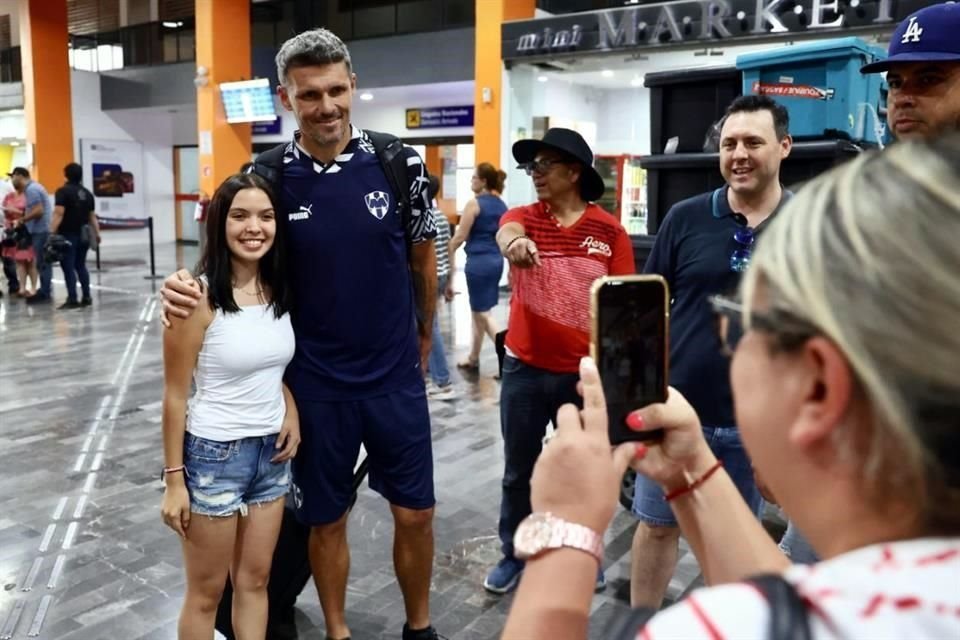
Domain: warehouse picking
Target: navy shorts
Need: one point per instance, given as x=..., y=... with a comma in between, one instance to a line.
x=649, y=505
x=393, y=428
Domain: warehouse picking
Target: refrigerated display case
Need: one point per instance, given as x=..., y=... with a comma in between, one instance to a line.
x=626, y=194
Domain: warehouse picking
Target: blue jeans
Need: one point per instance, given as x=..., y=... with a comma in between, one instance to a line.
x=794, y=545
x=225, y=477
x=529, y=399
x=649, y=505
x=74, y=264
x=437, y=361
x=45, y=270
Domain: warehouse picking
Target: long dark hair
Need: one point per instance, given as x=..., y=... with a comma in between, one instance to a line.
x=215, y=263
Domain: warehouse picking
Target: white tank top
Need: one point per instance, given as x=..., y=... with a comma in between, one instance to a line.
x=239, y=375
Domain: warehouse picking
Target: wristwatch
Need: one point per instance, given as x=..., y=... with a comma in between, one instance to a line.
x=541, y=532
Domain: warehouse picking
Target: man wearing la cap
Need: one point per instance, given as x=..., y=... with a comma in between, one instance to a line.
x=923, y=73
x=556, y=248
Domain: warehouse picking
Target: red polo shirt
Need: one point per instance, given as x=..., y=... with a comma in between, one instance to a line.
x=550, y=308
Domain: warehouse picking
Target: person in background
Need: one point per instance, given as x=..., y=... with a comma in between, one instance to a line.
x=556, y=248
x=73, y=210
x=923, y=74
x=702, y=249
x=478, y=228
x=440, y=387
x=844, y=379
x=227, y=449
x=18, y=260
x=36, y=218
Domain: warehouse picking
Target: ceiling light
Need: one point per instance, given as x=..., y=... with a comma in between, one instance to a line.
x=637, y=81
x=607, y=73
x=542, y=78
x=173, y=25
x=366, y=97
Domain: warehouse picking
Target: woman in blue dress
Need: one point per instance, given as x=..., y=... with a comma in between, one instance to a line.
x=478, y=227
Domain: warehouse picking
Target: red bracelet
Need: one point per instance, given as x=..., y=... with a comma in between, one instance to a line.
x=676, y=493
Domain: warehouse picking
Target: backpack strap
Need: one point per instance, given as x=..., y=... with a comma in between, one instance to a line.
x=269, y=166
x=626, y=625
x=788, y=613
x=388, y=148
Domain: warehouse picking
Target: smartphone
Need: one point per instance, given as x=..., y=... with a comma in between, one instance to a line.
x=630, y=344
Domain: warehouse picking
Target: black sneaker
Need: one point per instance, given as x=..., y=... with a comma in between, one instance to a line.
x=70, y=304
x=39, y=299
x=86, y=302
x=421, y=634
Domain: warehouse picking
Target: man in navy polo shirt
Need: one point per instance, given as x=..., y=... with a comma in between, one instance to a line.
x=359, y=311
x=923, y=73
x=701, y=249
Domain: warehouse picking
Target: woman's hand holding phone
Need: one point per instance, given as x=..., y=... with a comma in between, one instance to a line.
x=682, y=453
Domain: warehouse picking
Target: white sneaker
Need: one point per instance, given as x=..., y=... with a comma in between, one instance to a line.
x=442, y=393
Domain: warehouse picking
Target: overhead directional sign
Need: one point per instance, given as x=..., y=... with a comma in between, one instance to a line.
x=440, y=117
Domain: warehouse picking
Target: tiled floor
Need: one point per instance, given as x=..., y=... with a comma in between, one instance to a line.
x=80, y=534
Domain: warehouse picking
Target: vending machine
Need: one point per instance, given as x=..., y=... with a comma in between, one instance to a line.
x=626, y=194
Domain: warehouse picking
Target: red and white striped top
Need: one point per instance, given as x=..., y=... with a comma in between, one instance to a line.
x=903, y=590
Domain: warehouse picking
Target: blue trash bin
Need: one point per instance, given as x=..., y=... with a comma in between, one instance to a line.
x=822, y=88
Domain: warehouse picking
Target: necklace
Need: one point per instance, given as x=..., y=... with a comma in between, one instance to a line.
x=256, y=292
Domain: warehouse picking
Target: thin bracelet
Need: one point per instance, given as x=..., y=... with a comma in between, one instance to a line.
x=509, y=244
x=676, y=493
x=167, y=470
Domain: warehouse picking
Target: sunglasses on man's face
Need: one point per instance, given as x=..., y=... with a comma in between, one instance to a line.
x=541, y=166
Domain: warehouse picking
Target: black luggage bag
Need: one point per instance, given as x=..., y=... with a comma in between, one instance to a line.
x=289, y=574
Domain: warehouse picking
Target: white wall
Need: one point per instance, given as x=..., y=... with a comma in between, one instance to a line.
x=153, y=128
x=624, y=122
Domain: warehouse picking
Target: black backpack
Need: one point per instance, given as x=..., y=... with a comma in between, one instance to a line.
x=269, y=166
x=788, y=613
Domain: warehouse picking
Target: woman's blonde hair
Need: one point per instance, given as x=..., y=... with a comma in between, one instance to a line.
x=868, y=254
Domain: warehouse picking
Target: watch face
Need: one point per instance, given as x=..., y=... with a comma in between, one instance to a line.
x=533, y=535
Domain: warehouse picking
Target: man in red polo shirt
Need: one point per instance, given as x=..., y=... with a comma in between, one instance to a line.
x=556, y=247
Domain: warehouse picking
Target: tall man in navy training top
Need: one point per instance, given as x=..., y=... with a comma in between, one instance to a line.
x=701, y=249
x=359, y=311
x=923, y=74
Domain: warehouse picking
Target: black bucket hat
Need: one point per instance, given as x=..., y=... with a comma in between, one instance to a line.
x=571, y=144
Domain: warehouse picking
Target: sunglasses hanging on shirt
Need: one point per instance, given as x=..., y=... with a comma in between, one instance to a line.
x=745, y=236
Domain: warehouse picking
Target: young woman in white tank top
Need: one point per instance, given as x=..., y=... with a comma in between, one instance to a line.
x=227, y=449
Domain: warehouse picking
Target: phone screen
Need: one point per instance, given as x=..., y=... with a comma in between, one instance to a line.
x=630, y=347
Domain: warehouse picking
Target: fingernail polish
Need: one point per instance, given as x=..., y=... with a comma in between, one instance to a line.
x=641, y=451
x=635, y=421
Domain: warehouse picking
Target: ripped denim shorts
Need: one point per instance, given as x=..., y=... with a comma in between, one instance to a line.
x=225, y=477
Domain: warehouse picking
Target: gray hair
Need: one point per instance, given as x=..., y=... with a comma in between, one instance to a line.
x=314, y=47
x=868, y=255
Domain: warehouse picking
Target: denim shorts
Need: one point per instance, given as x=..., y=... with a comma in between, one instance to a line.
x=225, y=477
x=649, y=505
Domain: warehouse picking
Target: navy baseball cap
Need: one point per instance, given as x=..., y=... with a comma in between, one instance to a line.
x=929, y=35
